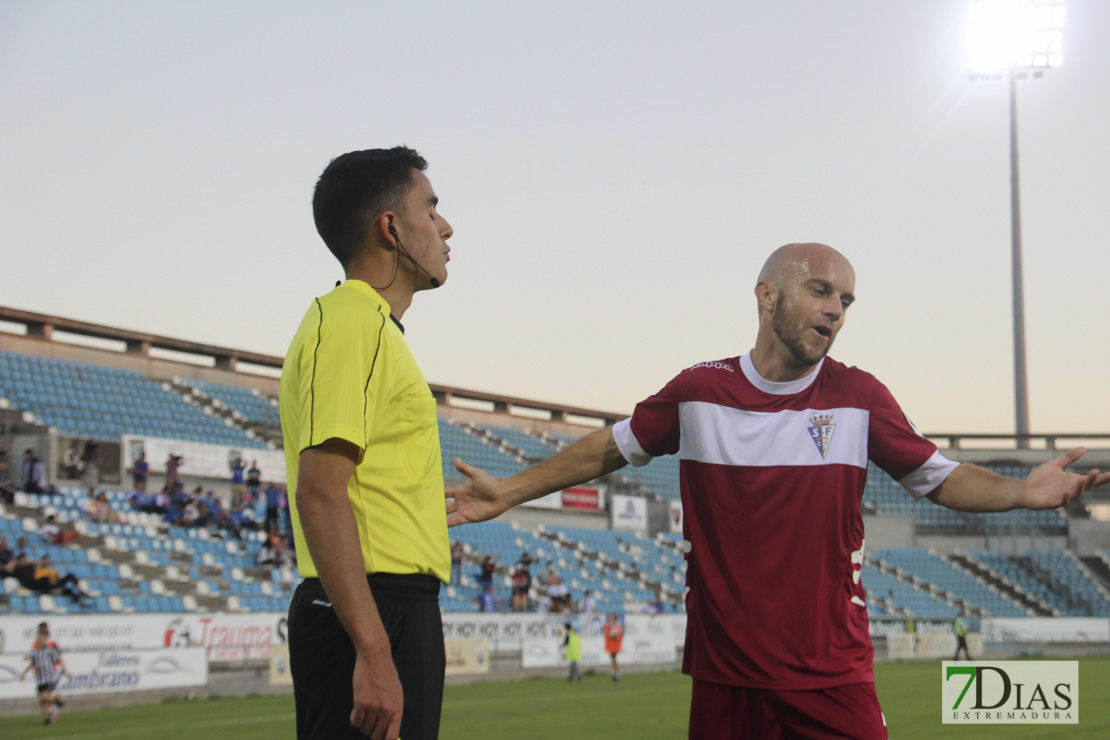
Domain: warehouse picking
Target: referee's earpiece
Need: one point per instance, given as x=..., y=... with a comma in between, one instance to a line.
x=392, y=230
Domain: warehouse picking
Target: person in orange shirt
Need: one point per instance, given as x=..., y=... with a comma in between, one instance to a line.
x=614, y=635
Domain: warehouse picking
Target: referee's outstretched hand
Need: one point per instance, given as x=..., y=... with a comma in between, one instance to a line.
x=477, y=500
x=379, y=699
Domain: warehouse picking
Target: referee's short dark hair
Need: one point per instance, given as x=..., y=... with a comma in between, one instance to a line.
x=354, y=189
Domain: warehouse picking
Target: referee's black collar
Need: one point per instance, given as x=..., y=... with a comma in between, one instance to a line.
x=398, y=323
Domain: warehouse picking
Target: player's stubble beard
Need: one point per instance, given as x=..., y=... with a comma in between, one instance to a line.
x=791, y=331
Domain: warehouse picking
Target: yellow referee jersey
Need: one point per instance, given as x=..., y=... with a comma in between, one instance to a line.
x=350, y=374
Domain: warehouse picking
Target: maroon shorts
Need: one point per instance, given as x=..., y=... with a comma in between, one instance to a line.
x=720, y=712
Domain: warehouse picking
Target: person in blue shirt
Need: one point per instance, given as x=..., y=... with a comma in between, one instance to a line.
x=273, y=505
x=238, y=489
x=486, y=601
x=140, y=469
x=254, y=481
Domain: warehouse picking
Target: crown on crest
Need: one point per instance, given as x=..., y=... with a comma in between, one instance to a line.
x=820, y=420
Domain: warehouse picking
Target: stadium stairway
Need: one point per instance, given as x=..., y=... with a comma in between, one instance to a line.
x=1011, y=590
x=945, y=580
x=224, y=402
x=1099, y=565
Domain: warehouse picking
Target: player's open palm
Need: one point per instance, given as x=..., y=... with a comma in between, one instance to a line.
x=378, y=698
x=477, y=500
x=1050, y=486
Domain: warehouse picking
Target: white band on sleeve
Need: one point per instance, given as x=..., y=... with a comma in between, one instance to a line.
x=925, y=479
x=628, y=444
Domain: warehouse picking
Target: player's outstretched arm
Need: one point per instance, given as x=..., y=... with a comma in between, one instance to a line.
x=1049, y=486
x=483, y=497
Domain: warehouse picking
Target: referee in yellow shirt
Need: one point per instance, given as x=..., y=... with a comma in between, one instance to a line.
x=363, y=460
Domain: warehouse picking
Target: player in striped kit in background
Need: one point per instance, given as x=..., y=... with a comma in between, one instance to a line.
x=46, y=660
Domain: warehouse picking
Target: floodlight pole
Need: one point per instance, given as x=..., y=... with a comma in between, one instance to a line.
x=1021, y=391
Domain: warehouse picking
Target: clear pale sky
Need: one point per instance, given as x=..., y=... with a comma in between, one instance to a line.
x=616, y=173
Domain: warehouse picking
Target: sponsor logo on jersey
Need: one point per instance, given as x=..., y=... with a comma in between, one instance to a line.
x=822, y=432
x=717, y=365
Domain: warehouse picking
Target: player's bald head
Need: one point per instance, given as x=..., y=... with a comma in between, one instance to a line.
x=798, y=261
x=793, y=265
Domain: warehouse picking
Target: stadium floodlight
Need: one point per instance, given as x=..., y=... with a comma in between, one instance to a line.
x=1011, y=39
x=1008, y=35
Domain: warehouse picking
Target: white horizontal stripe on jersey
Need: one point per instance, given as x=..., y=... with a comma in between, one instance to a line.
x=723, y=435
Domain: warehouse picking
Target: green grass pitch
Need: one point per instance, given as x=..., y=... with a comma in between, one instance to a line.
x=641, y=707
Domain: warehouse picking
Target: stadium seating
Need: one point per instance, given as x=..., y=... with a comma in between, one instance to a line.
x=86, y=400
x=142, y=565
x=145, y=566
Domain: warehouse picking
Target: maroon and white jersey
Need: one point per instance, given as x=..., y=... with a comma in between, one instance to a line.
x=772, y=476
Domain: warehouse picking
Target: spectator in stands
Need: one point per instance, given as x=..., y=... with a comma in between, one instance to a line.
x=551, y=577
x=243, y=517
x=140, y=470
x=102, y=510
x=521, y=583
x=49, y=580
x=273, y=504
x=457, y=552
x=136, y=499
x=159, y=503
x=56, y=532
x=7, y=554
x=560, y=596
x=23, y=569
x=273, y=552
x=21, y=547
x=90, y=462
x=220, y=519
x=5, y=474
x=488, y=568
x=89, y=507
x=188, y=514
x=273, y=536
x=486, y=601
x=173, y=469
x=526, y=562
x=285, y=516
x=254, y=481
x=589, y=603
x=7, y=492
x=238, y=488
x=32, y=473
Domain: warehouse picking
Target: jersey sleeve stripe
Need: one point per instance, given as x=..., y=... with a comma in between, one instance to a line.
x=312, y=383
x=365, y=388
x=628, y=445
x=925, y=479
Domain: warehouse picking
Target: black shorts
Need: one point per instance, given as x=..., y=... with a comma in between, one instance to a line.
x=322, y=657
x=48, y=688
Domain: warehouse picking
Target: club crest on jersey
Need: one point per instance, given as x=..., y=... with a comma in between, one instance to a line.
x=822, y=432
